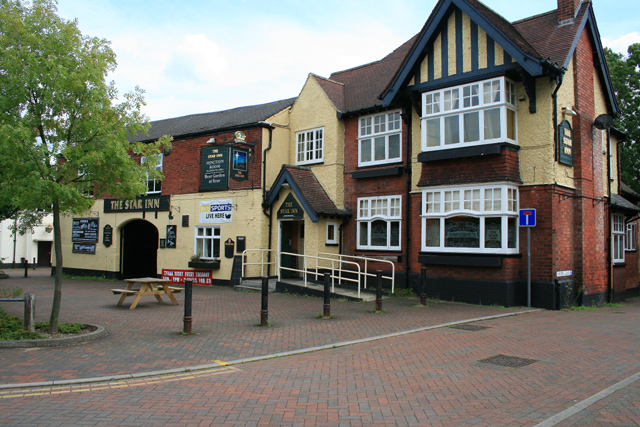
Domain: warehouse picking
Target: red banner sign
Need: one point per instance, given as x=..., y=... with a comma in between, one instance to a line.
x=179, y=276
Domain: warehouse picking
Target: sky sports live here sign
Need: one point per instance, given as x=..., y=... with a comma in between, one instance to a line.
x=527, y=218
x=216, y=211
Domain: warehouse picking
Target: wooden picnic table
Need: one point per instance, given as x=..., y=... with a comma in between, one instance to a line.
x=147, y=286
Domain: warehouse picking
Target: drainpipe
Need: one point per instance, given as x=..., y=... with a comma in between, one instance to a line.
x=554, y=95
x=270, y=127
x=407, y=269
x=609, y=258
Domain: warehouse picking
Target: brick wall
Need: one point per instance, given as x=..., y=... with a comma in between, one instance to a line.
x=182, y=167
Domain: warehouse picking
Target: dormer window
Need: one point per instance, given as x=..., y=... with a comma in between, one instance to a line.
x=472, y=114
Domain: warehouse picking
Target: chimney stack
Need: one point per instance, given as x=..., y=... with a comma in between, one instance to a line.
x=567, y=10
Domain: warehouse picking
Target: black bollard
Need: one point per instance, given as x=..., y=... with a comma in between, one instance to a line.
x=264, y=313
x=378, y=290
x=25, y=264
x=188, y=288
x=326, y=308
x=423, y=285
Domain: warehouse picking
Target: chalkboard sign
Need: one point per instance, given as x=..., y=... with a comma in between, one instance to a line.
x=85, y=230
x=215, y=169
x=84, y=248
x=241, y=246
x=171, y=236
x=107, y=235
x=236, y=271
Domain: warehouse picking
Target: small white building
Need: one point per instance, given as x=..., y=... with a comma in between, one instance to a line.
x=34, y=246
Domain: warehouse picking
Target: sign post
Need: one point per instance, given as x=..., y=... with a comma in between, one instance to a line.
x=527, y=219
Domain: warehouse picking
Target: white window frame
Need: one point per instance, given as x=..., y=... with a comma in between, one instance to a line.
x=630, y=240
x=459, y=103
x=310, y=146
x=375, y=128
x=471, y=201
x=618, y=231
x=154, y=186
x=372, y=209
x=209, y=235
x=334, y=227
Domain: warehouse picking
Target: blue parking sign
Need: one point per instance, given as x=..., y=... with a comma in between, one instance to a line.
x=527, y=218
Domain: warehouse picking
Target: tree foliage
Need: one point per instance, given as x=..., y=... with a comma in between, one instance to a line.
x=625, y=75
x=63, y=132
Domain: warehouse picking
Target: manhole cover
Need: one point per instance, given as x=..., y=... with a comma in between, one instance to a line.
x=509, y=361
x=467, y=327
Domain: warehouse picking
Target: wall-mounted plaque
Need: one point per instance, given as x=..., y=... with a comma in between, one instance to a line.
x=239, y=164
x=565, y=143
x=84, y=248
x=171, y=236
x=107, y=235
x=290, y=208
x=85, y=230
x=215, y=169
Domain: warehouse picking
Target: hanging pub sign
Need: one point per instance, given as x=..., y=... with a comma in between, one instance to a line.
x=290, y=208
x=215, y=169
x=85, y=230
x=171, y=236
x=565, y=143
x=139, y=204
x=107, y=235
x=239, y=164
x=216, y=211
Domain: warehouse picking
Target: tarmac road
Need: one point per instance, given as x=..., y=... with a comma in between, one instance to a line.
x=446, y=364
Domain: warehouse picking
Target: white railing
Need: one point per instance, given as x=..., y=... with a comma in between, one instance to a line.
x=311, y=263
x=264, y=255
x=366, y=261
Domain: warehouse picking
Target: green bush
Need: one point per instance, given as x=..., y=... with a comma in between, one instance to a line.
x=12, y=328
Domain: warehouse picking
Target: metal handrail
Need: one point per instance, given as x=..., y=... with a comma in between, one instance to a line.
x=305, y=270
x=262, y=262
x=366, y=270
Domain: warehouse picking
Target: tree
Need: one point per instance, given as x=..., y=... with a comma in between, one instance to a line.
x=625, y=75
x=63, y=134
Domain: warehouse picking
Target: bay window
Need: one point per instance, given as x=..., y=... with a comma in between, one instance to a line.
x=379, y=139
x=471, y=219
x=379, y=222
x=472, y=114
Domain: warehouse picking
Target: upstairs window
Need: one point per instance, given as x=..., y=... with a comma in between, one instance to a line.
x=310, y=146
x=472, y=114
x=154, y=186
x=379, y=139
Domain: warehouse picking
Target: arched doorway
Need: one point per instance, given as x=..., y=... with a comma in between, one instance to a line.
x=139, y=243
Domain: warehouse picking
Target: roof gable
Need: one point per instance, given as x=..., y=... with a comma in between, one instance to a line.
x=307, y=190
x=446, y=33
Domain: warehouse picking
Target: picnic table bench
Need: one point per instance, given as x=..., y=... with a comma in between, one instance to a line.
x=146, y=286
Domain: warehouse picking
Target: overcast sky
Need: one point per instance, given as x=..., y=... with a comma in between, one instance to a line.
x=199, y=56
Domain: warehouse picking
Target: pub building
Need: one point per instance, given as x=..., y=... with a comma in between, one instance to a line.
x=474, y=139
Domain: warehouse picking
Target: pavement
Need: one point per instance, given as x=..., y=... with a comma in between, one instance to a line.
x=443, y=364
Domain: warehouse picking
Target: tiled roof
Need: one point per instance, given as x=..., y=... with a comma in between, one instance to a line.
x=313, y=192
x=208, y=122
x=551, y=40
x=363, y=85
x=334, y=91
x=620, y=203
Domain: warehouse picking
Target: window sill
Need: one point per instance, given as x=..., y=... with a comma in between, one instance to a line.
x=205, y=265
x=331, y=244
x=468, y=260
x=435, y=155
x=619, y=264
x=377, y=173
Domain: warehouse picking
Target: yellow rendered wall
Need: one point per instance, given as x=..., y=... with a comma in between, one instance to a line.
x=313, y=109
x=248, y=221
x=279, y=153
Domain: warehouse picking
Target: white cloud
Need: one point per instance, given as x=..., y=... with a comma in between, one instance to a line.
x=622, y=43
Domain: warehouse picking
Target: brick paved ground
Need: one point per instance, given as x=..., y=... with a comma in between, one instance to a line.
x=432, y=377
